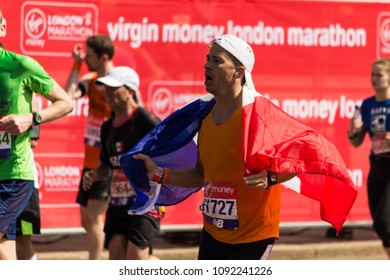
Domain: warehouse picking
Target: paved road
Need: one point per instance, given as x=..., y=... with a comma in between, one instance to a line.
x=298, y=244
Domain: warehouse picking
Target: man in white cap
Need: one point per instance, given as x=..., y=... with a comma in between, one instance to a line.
x=126, y=237
x=241, y=214
x=239, y=132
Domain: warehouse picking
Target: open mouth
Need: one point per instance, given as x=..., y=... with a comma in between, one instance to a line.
x=208, y=78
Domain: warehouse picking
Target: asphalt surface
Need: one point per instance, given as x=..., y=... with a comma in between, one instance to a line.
x=361, y=243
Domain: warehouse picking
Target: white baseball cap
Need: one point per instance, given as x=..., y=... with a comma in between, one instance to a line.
x=240, y=50
x=120, y=76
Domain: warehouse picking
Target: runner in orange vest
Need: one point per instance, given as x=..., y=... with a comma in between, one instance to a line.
x=94, y=202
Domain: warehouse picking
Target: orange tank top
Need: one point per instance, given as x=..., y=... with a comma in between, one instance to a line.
x=98, y=112
x=233, y=213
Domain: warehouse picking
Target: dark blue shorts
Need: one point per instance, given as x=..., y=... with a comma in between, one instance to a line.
x=14, y=195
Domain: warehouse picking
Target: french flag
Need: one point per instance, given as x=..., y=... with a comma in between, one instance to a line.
x=272, y=140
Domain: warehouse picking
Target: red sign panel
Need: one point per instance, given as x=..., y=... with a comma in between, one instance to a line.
x=51, y=28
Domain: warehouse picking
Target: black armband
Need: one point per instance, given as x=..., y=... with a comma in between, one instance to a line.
x=34, y=133
x=82, y=89
x=352, y=135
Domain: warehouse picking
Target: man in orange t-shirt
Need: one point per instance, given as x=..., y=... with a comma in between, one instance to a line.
x=94, y=202
x=241, y=213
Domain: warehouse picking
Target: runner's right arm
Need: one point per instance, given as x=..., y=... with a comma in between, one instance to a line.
x=74, y=87
x=101, y=172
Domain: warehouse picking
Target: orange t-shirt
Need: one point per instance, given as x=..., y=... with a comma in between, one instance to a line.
x=233, y=213
x=98, y=112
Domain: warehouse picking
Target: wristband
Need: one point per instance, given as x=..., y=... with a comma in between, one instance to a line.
x=166, y=176
x=272, y=179
x=76, y=65
x=158, y=175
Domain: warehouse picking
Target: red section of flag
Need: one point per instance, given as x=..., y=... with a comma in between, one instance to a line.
x=275, y=140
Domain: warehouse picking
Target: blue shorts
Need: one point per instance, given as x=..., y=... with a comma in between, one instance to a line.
x=14, y=195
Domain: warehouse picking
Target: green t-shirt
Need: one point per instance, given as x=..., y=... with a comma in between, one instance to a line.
x=20, y=76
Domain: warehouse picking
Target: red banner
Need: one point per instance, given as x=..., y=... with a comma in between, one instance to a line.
x=313, y=59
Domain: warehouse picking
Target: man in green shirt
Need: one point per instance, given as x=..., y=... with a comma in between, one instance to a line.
x=20, y=77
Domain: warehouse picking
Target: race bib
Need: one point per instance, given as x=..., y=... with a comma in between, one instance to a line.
x=92, y=132
x=380, y=145
x=219, y=206
x=122, y=194
x=5, y=144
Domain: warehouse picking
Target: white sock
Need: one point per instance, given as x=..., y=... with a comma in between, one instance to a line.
x=33, y=258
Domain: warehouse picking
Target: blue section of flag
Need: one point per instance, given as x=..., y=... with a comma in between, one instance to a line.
x=171, y=145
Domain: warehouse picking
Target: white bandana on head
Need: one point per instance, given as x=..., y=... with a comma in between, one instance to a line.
x=240, y=50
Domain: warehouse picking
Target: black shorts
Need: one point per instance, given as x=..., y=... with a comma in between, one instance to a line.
x=29, y=221
x=378, y=192
x=212, y=249
x=99, y=190
x=141, y=230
